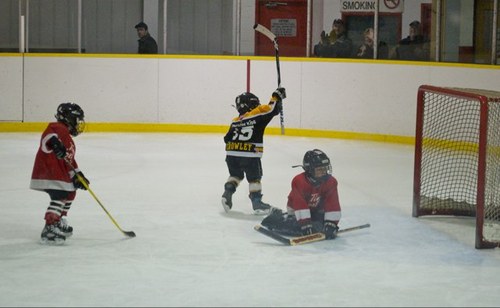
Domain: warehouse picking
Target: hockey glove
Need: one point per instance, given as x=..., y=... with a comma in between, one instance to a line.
x=306, y=228
x=280, y=93
x=57, y=147
x=77, y=183
x=330, y=229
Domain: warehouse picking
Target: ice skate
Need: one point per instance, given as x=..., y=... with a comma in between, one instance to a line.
x=52, y=235
x=259, y=207
x=65, y=228
x=227, y=202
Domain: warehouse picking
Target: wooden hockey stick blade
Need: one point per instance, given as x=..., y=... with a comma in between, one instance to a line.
x=260, y=28
x=321, y=236
x=299, y=240
x=315, y=237
x=290, y=241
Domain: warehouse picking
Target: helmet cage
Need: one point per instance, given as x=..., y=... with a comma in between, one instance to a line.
x=73, y=116
x=316, y=159
x=246, y=102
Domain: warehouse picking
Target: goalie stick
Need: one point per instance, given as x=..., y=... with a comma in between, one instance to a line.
x=299, y=240
x=86, y=185
x=260, y=28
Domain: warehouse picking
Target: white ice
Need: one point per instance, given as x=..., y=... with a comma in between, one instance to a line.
x=188, y=252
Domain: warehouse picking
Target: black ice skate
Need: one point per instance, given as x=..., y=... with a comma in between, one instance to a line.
x=52, y=235
x=227, y=202
x=259, y=207
x=66, y=229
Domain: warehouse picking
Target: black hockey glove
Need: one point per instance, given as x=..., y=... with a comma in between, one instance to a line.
x=280, y=93
x=57, y=147
x=306, y=228
x=77, y=183
x=330, y=229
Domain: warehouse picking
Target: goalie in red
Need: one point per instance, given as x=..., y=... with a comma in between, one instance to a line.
x=245, y=146
x=52, y=175
x=313, y=203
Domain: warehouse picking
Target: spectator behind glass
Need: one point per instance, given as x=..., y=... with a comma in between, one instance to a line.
x=147, y=44
x=365, y=51
x=341, y=47
x=413, y=47
x=326, y=40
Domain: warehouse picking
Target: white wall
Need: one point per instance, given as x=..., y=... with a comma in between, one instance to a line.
x=11, y=90
x=247, y=46
x=108, y=89
x=325, y=94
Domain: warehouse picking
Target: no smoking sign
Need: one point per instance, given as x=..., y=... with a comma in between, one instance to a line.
x=391, y=4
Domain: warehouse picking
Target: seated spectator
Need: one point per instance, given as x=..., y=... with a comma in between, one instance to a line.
x=413, y=47
x=341, y=47
x=326, y=40
x=366, y=51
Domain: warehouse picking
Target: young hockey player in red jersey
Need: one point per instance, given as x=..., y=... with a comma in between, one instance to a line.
x=245, y=145
x=52, y=174
x=313, y=203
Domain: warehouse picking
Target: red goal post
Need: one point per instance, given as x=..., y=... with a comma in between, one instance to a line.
x=457, y=157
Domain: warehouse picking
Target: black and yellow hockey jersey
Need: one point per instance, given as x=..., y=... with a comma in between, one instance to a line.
x=245, y=137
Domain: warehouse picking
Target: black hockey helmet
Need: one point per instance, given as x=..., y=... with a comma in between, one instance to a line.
x=246, y=102
x=314, y=159
x=72, y=115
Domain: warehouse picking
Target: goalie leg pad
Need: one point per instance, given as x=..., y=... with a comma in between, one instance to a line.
x=281, y=223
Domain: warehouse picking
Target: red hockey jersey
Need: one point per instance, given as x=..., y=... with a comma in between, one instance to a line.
x=48, y=171
x=305, y=197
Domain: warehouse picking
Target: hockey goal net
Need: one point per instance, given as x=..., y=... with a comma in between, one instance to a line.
x=457, y=157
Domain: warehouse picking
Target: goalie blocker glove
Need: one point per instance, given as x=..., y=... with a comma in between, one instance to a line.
x=306, y=228
x=330, y=229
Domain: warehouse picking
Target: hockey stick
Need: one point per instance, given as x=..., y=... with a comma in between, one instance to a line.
x=316, y=237
x=86, y=185
x=260, y=28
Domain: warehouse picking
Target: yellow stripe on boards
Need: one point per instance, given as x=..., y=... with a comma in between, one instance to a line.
x=19, y=127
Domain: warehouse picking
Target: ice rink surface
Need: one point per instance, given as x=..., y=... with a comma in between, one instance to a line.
x=188, y=252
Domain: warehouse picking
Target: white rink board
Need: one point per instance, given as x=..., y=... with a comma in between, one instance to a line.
x=11, y=87
x=326, y=94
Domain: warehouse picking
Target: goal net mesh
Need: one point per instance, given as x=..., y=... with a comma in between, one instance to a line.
x=451, y=181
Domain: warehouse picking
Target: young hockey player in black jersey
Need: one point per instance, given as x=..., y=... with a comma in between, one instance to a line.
x=244, y=147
